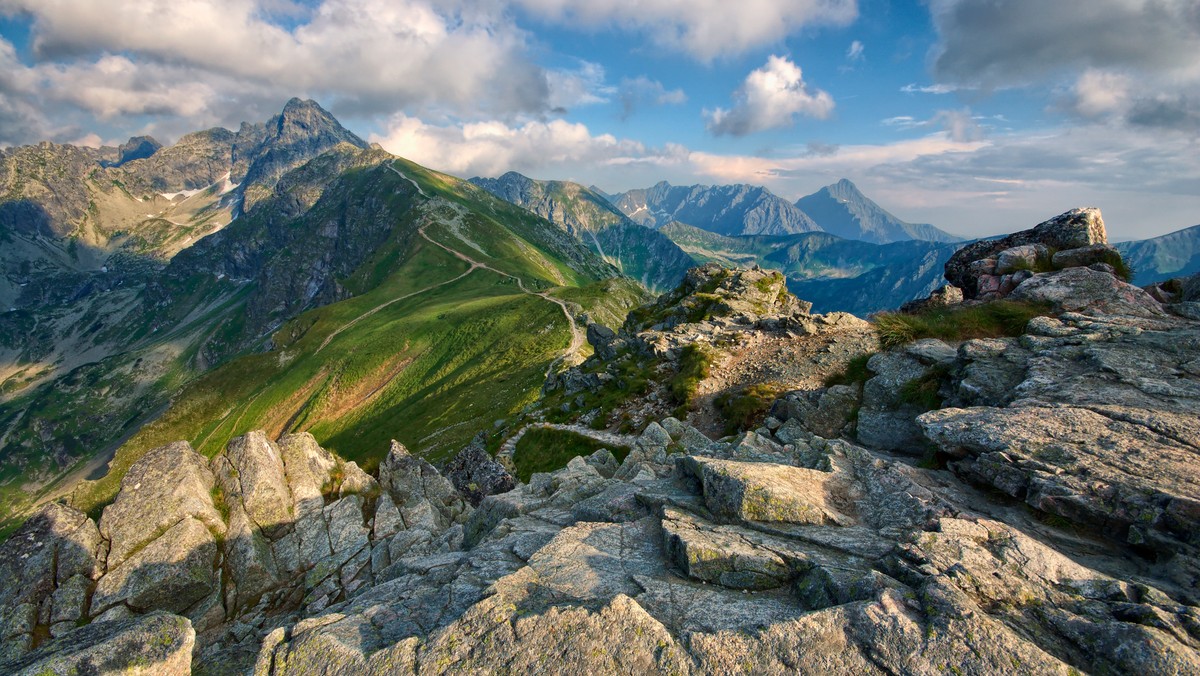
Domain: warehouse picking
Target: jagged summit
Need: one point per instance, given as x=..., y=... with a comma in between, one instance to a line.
x=843, y=210
x=265, y=152
x=724, y=209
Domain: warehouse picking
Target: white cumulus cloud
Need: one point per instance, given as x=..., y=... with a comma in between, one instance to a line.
x=770, y=98
x=493, y=147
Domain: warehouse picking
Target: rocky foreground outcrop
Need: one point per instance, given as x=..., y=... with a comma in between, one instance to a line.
x=1052, y=528
x=774, y=551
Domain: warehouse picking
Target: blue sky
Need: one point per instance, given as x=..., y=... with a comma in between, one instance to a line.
x=980, y=116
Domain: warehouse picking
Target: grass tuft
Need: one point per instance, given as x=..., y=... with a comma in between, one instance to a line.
x=694, y=364
x=545, y=450
x=988, y=320
x=746, y=408
x=856, y=372
x=923, y=392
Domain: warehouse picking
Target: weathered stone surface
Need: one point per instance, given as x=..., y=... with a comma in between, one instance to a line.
x=251, y=472
x=1023, y=257
x=1083, y=257
x=885, y=421
x=1089, y=291
x=424, y=497
x=768, y=492
x=1074, y=229
x=308, y=468
x=43, y=564
x=165, y=487
x=172, y=572
x=157, y=644
x=476, y=475
x=1078, y=464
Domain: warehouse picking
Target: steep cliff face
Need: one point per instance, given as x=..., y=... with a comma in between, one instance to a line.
x=639, y=252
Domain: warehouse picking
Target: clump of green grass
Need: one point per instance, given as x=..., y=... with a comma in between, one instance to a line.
x=545, y=450
x=856, y=372
x=746, y=408
x=1123, y=269
x=988, y=320
x=631, y=377
x=922, y=392
x=764, y=285
x=694, y=364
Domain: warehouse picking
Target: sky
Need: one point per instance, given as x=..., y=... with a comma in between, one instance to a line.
x=978, y=116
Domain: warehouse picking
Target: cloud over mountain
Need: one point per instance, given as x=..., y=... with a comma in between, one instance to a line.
x=770, y=98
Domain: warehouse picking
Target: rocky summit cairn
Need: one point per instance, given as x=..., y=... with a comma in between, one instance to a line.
x=1051, y=525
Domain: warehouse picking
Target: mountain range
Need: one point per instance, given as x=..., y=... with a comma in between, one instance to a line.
x=290, y=277
x=841, y=209
x=1175, y=254
x=638, y=252
x=286, y=276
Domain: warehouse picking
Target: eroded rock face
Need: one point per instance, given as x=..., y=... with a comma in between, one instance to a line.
x=156, y=644
x=476, y=475
x=166, y=486
x=46, y=569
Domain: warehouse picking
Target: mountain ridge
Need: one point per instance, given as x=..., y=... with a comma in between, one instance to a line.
x=843, y=210
x=641, y=253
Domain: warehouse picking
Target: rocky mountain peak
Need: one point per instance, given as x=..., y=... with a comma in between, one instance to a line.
x=843, y=210
x=137, y=148
x=844, y=189
x=264, y=153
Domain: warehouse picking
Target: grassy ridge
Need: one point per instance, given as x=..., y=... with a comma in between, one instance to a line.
x=425, y=355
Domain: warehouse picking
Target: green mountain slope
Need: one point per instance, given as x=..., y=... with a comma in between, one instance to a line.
x=336, y=239
x=639, y=252
x=462, y=310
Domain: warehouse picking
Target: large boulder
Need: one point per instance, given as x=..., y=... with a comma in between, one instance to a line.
x=980, y=264
x=164, y=487
x=756, y=491
x=1088, y=291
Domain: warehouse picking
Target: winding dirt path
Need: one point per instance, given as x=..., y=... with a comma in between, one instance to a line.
x=577, y=336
